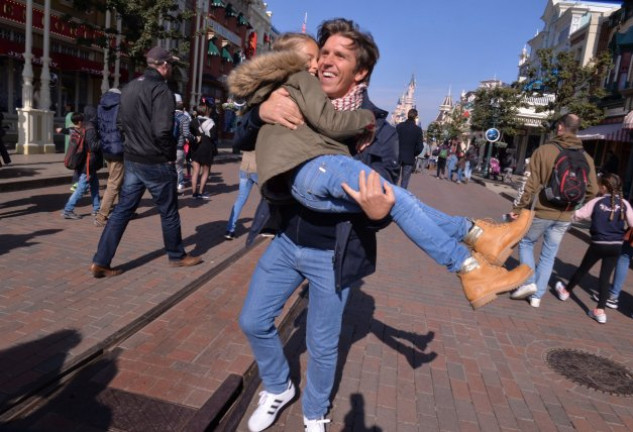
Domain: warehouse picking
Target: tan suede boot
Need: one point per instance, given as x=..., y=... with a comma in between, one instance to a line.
x=495, y=240
x=482, y=281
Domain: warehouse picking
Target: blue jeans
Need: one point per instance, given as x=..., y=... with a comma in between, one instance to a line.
x=247, y=180
x=460, y=174
x=82, y=186
x=451, y=163
x=468, y=170
x=160, y=180
x=279, y=272
x=317, y=185
x=621, y=270
x=552, y=232
x=405, y=175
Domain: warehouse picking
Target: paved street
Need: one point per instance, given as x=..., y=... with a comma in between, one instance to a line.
x=414, y=355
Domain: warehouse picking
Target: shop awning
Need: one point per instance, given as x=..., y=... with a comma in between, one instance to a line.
x=242, y=21
x=608, y=132
x=628, y=121
x=230, y=11
x=213, y=48
x=226, y=55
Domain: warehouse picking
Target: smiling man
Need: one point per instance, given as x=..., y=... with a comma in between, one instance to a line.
x=331, y=251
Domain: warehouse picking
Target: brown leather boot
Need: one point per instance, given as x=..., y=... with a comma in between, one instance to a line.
x=495, y=240
x=482, y=281
x=100, y=271
x=186, y=261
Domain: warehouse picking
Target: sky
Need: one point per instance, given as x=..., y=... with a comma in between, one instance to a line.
x=446, y=44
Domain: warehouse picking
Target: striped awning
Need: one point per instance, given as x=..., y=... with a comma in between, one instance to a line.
x=628, y=121
x=607, y=132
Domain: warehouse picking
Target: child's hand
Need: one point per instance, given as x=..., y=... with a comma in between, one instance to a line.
x=280, y=109
x=58, y=130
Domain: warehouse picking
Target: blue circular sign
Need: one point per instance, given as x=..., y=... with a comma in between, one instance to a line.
x=492, y=135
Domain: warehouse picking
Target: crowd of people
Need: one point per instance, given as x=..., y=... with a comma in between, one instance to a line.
x=332, y=172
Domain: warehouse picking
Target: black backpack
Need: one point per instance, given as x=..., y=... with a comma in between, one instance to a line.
x=76, y=154
x=568, y=182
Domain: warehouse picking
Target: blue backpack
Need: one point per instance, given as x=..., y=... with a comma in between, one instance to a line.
x=176, y=130
x=109, y=133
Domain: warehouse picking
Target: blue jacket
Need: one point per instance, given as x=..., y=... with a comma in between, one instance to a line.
x=351, y=236
x=109, y=133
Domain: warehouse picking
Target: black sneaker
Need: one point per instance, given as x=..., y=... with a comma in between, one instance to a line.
x=204, y=196
x=612, y=302
x=230, y=235
x=70, y=215
x=196, y=195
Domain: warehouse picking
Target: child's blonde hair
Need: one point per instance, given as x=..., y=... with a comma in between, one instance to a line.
x=292, y=41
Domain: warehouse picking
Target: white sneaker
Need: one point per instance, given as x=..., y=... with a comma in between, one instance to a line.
x=535, y=302
x=268, y=407
x=561, y=292
x=601, y=318
x=523, y=291
x=317, y=425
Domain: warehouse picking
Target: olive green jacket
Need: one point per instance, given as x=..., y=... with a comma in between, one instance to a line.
x=279, y=149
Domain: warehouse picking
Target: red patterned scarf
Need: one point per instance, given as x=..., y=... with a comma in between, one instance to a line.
x=352, y=100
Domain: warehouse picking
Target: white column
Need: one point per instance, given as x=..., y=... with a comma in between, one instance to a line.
x=194, y=66
x=27, y=72
x=45, y=75
x=117, y=61
x=105, y=82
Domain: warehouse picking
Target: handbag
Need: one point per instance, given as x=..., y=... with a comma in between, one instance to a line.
x=628, y=236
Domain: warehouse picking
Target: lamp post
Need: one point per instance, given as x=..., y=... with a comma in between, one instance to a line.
x=492, y=135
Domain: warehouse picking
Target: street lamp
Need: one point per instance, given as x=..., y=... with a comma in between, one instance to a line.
x=492, y=135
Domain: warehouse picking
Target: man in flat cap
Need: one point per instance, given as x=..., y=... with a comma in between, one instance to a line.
x=146, y=119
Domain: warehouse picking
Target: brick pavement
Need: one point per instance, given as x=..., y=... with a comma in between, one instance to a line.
x=414, y=356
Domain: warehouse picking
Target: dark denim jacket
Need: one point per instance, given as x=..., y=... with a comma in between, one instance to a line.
x=352, y=236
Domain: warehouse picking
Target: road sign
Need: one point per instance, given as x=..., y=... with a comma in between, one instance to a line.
x=492, y=135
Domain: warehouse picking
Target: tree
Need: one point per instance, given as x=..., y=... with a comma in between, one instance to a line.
x=434, y=132
x=497, y=107
x=141, y=23
x=576, y=88
x=457, y=124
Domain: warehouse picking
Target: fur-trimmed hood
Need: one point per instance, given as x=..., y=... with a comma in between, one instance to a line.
x=258, y=77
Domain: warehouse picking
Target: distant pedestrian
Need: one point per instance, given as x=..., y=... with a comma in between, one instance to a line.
x=551, y=220
x=248, y=178
x=205, y=130
x=442, y=155
x=3, y=150
x=146, y=116
x=619, y=277
x=183, y=135
x=472, y=160
x=112, y=147
x=609, y=215
x=92, y=161
x=410, y=145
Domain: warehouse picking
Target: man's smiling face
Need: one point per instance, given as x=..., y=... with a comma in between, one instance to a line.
x=337, y=66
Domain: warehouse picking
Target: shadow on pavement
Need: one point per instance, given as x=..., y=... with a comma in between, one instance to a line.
x=35, y=204
x=41, y=362
x=358, y=321
x=355, y=418
x=14, y=241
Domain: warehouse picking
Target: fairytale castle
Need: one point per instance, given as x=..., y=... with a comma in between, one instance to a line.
x=405, y=103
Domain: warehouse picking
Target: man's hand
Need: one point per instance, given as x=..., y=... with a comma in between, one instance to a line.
x=280, y=109
x=375, y=201
x=513, y=215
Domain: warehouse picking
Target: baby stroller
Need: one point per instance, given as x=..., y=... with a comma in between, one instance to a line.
x=495, y=168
